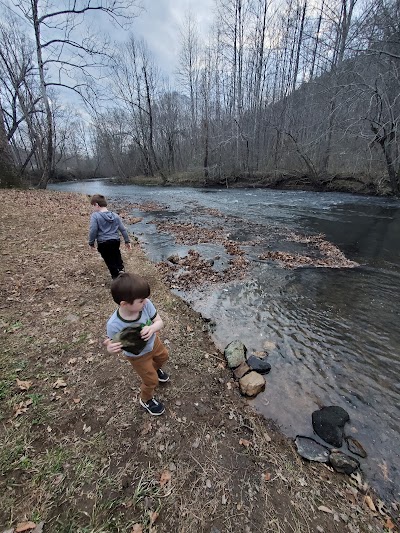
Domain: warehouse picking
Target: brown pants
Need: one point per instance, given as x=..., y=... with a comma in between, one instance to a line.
x=146, y=367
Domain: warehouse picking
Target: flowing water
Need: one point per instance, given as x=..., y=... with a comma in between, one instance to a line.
x=333, y=334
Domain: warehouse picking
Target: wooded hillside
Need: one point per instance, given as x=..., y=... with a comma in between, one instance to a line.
x=293, y=88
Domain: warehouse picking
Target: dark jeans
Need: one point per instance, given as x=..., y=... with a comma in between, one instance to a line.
x=109, y=251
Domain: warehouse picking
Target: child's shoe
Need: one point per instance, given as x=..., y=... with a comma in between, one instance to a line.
x=163, y=377
x=153, y=406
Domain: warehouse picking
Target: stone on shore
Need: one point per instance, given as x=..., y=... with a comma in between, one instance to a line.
x=355, y=447
x=241, y=370
x=311, y=449
x=251, y=384
x=343, y=463
x=328, y=423
x=259, y=364
x=235, y=353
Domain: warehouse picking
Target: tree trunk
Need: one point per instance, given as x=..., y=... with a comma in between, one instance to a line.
x=48, y=163
x=8, y=173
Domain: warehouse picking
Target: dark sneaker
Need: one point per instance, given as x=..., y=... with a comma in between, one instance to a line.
x=162, y=376
x=153, y=406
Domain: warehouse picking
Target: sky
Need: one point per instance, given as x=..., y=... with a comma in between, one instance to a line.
x=158, y=24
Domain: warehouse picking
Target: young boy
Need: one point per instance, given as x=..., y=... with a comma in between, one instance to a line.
x=132, y=328
x=104, y=227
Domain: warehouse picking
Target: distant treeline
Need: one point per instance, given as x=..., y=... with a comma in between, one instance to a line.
x=283, y=90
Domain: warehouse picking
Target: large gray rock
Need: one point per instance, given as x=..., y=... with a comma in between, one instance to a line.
x=251, y=384
x=235, y=353
x=328, y=423
x=311, y=449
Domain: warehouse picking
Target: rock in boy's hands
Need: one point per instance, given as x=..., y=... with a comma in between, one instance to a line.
x=112, y=347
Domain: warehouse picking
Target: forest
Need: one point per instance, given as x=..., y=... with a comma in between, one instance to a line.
x=298, y=91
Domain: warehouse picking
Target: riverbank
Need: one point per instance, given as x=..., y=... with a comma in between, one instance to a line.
x=353, y=184
x=78, y=454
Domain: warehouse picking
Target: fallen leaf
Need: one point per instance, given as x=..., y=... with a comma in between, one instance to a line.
x=24, y=526
x=24, y=385
x=244, y=442
x=165, y=477
x=196, y=443
x=147, y=427
x=208, y=483
x=381, y=507
x=39, y=528
x=153, y=517
x=370, y=503
x=76, y=400
x=389, y=524
x=189, y=328
x=59, y=383
x=267, y=476
x=325, y=509
x=137, y=528
x=267, y=437
x=22, y=407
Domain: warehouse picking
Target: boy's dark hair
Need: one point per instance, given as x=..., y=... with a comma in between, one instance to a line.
x=128, y=287
x=98, y=199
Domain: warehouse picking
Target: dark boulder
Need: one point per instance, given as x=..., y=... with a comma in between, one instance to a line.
x=328, y=423
x=258, y=364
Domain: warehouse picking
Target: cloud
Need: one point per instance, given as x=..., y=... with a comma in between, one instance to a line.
x=159, y=25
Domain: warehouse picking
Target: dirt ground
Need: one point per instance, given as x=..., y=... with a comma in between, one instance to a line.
x=79, y=455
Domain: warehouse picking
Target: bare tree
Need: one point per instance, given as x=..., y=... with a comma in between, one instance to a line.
x=59, y=46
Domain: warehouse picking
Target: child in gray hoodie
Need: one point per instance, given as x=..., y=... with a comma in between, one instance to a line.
x=104, y=227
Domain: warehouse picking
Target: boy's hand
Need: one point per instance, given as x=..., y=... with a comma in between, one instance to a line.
x=147, y=331
x=128, y=245
x=112, y=347
x=92, y=248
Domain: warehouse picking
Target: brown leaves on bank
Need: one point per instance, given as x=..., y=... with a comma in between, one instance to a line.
x=192, y=271
x=322, y=254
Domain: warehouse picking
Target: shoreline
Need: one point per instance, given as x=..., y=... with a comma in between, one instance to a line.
x=210, y=462
x=358, y=186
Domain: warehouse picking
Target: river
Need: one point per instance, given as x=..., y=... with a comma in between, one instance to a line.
x=333, y=334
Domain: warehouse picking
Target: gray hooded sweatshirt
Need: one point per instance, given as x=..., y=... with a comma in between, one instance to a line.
x=104, y=226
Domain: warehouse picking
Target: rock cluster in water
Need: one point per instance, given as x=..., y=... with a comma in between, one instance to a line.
x=248, y=369
x=329, y=423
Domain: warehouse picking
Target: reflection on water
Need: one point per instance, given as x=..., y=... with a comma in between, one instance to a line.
x=334, y=334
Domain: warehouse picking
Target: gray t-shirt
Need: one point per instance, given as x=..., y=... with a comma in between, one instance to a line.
x=104, y=226
x=116, y=323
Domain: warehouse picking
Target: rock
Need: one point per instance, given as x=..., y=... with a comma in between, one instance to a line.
x=258, y=364
x=235, y=353
x=173, y=259
x=328, y=423
x=343, y=463
x=355, y=447
x=241, y=370
x=310, y=449
x=251, y=384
